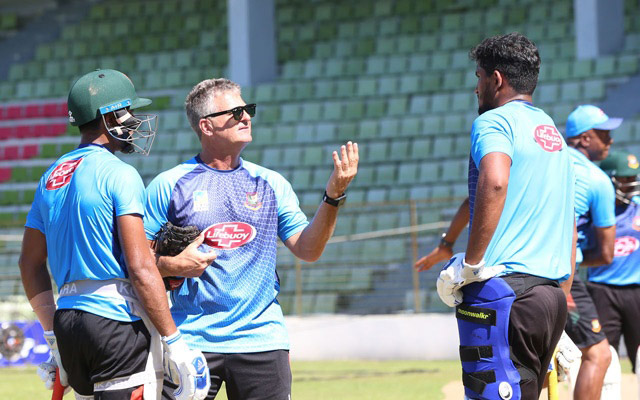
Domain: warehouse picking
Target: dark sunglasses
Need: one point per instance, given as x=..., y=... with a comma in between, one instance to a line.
x=237, y=112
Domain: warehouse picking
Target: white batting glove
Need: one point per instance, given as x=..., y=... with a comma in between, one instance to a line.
x=186, y=368
x=457, y=273
x=567, y=355
x=47, y=369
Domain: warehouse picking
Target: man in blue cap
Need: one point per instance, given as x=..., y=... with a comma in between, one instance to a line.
x=588, y=135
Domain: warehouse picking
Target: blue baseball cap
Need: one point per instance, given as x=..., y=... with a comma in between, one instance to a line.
x=587, y=117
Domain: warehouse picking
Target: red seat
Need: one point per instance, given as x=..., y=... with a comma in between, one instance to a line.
x=30, y=151
x=10, y=153
x=32, y=111
x=5, y=174
x=14, y=112
x=58, y=129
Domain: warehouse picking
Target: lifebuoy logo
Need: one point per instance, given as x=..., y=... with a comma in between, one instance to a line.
x=548, y=137
x=62, y=174
x=625, y=245
x=229, y=235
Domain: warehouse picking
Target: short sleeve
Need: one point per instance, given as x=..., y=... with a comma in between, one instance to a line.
x=127, y=191
x=491, y=133
x=291, y=219
x=158, y=196
x=603, y=202
x=34, y=217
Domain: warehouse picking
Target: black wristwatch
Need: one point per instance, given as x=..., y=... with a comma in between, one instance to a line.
x=445, y=243
x=337, y=202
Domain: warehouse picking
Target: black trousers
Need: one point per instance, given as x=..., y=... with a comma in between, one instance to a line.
x=619, y=311
x=535, y=325
x=95, y=349
x=247, y=376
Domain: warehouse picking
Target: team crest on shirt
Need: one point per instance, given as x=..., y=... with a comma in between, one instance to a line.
x=229, y=235
x=625, y=245
x=632, y=162
x=635, y=223
x=548, y=137
x=595, y=325
x=61, y=175
x=200, y=200
x=252, y=202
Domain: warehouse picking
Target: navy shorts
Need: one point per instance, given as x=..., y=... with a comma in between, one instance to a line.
x=619, y=310
x=95, y=349
x=247, y=376
x=583, y=325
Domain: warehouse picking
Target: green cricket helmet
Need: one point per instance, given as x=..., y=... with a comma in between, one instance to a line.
x=105, y=91
x=622, y=165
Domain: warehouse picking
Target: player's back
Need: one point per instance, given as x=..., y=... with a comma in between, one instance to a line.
x=535, y=229
x=75, y=206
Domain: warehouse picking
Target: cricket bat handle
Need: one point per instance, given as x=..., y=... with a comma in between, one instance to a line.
x=58, y=389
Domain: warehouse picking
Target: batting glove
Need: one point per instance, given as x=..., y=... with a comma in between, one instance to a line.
x=186, y=368
x=47, y=369
x=567, y=355
x=457, y=273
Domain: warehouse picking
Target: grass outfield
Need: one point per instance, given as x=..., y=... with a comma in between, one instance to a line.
x=345, y=380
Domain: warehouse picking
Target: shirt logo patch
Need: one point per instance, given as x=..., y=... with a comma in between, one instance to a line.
x=625, y=245
x=229, y=235
x=200, y=200
x=252, y=202
x=635, y=224
x=61, y=175
x=548, y=137
x=632, y=162
x=595, y=325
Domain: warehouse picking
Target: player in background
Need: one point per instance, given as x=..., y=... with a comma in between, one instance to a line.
x=615, y=288
x=86, y=220
x=588, y=135
x=230, y=310
x=507, y=286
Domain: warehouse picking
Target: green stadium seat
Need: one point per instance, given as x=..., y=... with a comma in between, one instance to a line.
x=376, y=195
x=593, y=89
x=326, y=303
x=376, y=152
x=410, y=126
x=453, y=170
x=570, y=91
x=432, y=125
x=385, y=174
x=627, y=64
x=361, y=277
x=354, y=110
x=313, y=156
x=301, y=178
x=408, y=173
x=345, y=88
x=324, y=89
x=399, y=149
x=332, y=111
x=398, y=106
x=311, y=111
x=420, y=148
x=428, y=172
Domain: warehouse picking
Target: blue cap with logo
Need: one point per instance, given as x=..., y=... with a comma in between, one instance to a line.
x=587, y=117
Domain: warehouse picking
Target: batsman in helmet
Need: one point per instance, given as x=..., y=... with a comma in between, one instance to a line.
x=111, y=322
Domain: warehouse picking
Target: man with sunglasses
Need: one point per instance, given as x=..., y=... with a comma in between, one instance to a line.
x=229, y=310
x=588, y=135
x=86, y=221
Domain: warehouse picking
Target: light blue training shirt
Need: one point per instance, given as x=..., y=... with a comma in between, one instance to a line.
x=595, y=200
x=535, y=231
x=232, y=307
x=75, y=207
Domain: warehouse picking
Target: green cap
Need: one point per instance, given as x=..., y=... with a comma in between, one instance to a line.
x=620, y=163
x=99, y=92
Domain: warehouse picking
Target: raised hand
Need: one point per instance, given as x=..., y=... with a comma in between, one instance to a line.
x=345, y=167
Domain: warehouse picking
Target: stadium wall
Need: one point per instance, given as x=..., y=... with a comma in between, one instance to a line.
x=373, y=337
